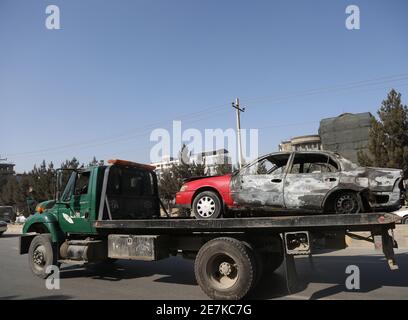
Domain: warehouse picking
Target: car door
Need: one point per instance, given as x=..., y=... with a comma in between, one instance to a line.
x=309, y=179
x=75, y=205
x=260, y=185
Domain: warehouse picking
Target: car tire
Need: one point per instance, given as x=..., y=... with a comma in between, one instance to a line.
x=42, y=254
x=346, y=203
x=404, y=220
x=207, y=205
x=225, y=269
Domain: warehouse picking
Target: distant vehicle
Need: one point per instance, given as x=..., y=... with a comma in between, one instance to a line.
x=305, y=182
x=3, y=227
x=403, y=213
x=7, y=213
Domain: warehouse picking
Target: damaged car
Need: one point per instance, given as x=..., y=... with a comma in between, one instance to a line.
x=298, y=182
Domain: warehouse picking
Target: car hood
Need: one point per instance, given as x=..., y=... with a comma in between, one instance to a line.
x=195, y=182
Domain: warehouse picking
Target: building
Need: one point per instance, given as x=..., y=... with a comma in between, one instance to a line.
x=211, y=159
x=6, y=168
x=346, y=134
x=166, y=163
x=301, y=143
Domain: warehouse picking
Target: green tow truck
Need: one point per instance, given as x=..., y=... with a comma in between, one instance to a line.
x=111, y=212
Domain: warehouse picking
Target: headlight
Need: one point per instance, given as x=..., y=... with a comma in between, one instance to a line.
x=183, y=188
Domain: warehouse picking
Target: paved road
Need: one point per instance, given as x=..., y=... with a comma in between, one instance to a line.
x=174, y=278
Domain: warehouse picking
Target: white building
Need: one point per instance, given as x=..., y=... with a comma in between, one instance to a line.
x=212, y=159
x=166, y=163
x=301, y=143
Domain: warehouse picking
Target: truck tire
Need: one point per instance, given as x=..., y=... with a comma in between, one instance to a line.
x=257, y=257
x=207, y=205
x=225, y=269
x=42, y=254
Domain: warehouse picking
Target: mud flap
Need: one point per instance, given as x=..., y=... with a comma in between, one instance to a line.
x=383, y=241
x=294, y=243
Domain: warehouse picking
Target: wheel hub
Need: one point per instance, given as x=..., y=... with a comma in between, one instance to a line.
x=206, y=207
x=346, y=204
x=39, y=256
x=225, y=269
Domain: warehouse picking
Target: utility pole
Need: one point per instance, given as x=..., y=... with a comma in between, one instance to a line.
x=236, y=106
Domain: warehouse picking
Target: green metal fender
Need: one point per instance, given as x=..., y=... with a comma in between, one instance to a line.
x=47, y=221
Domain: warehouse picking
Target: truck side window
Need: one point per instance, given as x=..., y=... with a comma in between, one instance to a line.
x=81, y=186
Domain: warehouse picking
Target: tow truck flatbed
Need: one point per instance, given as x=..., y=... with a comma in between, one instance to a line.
x=354, y=222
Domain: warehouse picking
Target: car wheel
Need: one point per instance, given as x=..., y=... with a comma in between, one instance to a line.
x=207, y=205
x=346, y=203
x=404, y=220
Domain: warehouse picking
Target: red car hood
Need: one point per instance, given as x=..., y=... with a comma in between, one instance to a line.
x=199, y=181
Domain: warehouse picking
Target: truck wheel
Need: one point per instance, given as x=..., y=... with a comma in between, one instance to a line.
x=346, y=203
x=41, y=254
x=257, y=257
x=225, y=269
x=207, y=205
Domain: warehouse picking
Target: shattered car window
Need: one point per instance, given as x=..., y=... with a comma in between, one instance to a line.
x=270, y=165
x=346, y=164
x=313, y=163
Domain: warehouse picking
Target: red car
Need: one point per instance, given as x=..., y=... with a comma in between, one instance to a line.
x=306, y=182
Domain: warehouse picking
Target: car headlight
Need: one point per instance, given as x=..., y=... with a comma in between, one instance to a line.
x=183, y=188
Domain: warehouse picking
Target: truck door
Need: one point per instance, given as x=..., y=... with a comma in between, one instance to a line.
x=260, y=184
x=75, y=205
x=310, y=178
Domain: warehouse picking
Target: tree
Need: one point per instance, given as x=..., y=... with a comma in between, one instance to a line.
x=173, y=178
x=223, y=168
x=388, y=140
x=25, y=190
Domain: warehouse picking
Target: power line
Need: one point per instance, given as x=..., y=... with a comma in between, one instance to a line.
x=215, y=110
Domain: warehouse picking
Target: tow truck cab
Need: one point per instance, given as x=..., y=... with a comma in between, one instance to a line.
x=120, y=190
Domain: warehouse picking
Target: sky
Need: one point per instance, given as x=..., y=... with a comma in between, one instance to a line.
x=116, y=70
